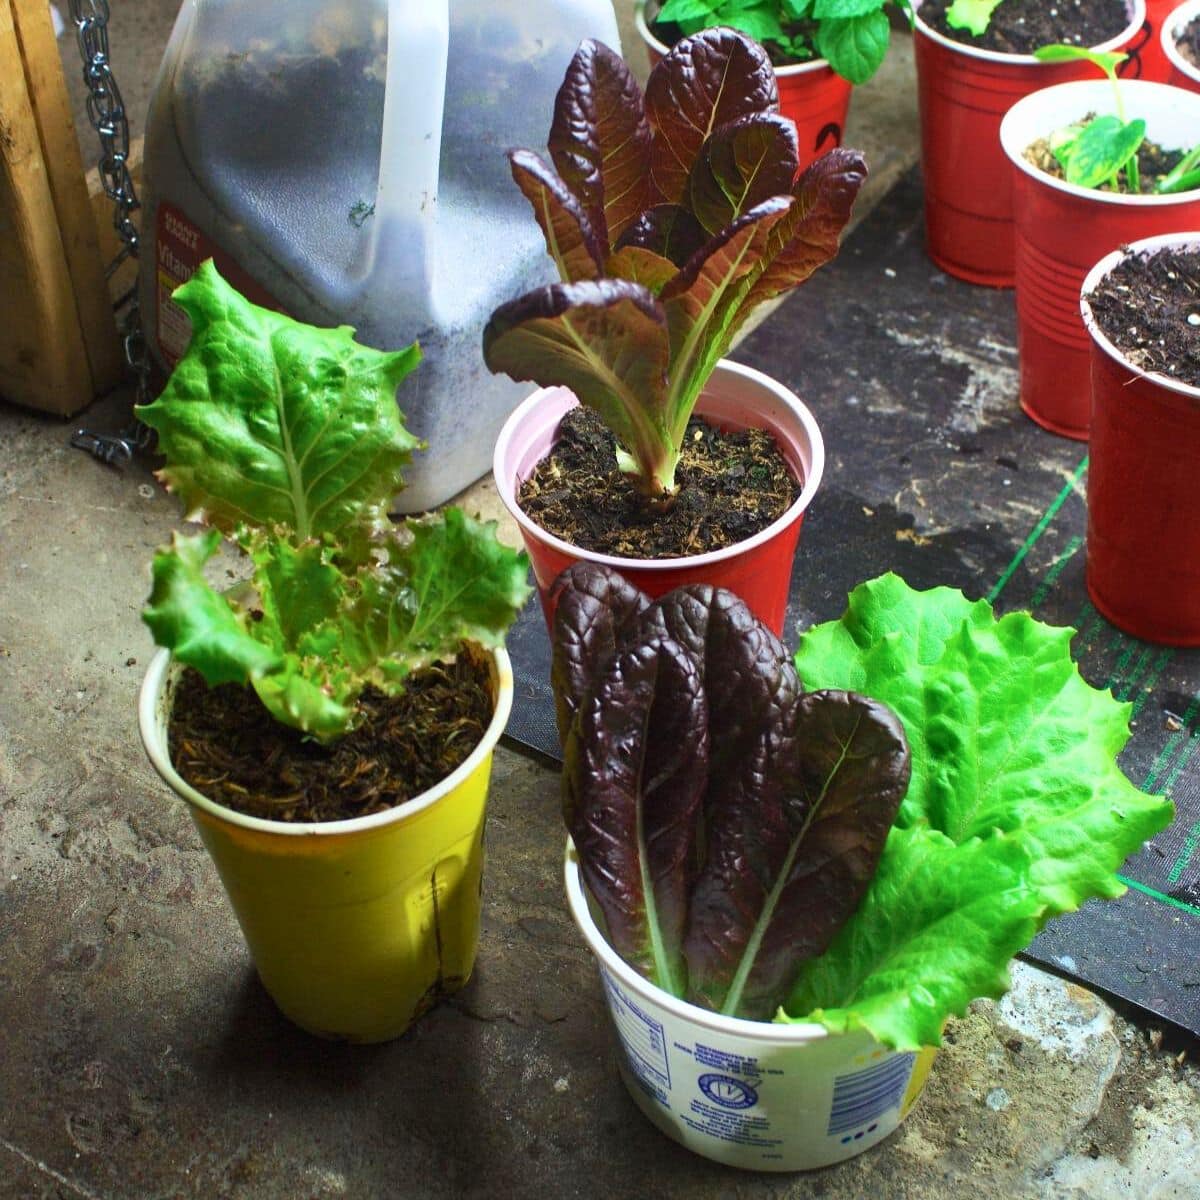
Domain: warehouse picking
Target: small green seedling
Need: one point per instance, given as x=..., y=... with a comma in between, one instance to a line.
x=971, y=15
x=1097, y=151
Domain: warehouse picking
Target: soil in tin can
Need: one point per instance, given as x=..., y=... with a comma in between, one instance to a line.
x=1189, y=42
x=229, y=748
x=1149, y=308
x=731, y=485
x=1021, y=26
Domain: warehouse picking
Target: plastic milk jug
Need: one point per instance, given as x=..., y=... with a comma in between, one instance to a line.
x=344, y=162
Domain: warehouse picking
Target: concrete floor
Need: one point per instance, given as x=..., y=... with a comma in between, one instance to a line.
x=141, y=1058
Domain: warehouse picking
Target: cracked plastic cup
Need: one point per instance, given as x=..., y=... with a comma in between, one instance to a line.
x=748, y=1094
x=357, y=927
x=963, y=93
x=1062, y=230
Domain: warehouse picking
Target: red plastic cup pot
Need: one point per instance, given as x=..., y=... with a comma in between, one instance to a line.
x=963, y=94
x=1061, y=230
x=1143, y=531
x=1153, y=64
x=758, y=569
x=1183, y=73
x=811, y=94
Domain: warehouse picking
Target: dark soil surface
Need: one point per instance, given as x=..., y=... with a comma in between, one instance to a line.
x=731, y=485
x=1189, y=42
x=1021, y=26
x=1149, y=308
x=228, y=747
x=1153, y=162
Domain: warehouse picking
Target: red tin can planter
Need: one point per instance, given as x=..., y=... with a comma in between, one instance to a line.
x=1061, y=230
x=963, y=94
x=1183, y=74
x=811, y=94
x=758, y=569
x=1143, y=534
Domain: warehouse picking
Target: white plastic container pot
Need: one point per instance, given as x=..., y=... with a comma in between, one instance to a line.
x=758, y=569
x=1184, y=73
x=1062, y=230
x=751, y=1094
x=811, y=94
x=356, y=927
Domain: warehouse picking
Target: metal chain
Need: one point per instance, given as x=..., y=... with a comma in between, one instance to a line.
x=106, y=111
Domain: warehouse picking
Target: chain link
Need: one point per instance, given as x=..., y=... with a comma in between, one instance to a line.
x=106, y=111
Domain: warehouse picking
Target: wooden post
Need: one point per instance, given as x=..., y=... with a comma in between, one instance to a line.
x=58, y=341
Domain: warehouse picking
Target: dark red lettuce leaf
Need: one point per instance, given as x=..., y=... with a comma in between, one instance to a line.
x=788, y=863
x=823, y=198
x=634, y=767
x=606, y=340
x=707, y=80
x=742, y=164
x=570, y=239
x=600, y=141
x=594, y=611
x=669, y=230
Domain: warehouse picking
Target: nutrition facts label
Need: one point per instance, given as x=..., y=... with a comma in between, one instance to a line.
x=642, y=1037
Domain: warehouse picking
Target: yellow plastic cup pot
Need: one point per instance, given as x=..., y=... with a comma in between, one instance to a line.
x=356, y=927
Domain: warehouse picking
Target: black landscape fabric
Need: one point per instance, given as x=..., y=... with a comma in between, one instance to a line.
x=932, y=471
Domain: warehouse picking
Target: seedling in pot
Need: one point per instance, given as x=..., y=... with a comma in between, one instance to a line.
x=286, y=440
x=671, y=218
x=972, y=15
x=869, y=854
x=851, y=35
x=1099, y=150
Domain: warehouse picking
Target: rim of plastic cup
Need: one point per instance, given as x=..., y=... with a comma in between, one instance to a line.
x=506, y=488
x=1190, y=240
x=1177, y=21
x=802, y=1033
x=154, y=740
x=1050, y=97
x=792, y=69
x=1136, y=7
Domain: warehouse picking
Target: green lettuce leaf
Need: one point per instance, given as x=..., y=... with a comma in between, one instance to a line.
x=268, y=422
x=1014, y=754
x=287, y=438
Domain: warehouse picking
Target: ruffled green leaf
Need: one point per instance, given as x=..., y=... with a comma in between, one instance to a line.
x=268, y=422
x=936, y=930
x=1014, y=756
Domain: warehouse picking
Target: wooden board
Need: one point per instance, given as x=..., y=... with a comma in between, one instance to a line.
x=58, y=341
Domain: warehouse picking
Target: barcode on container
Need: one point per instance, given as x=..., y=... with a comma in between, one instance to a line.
x=862, y=1096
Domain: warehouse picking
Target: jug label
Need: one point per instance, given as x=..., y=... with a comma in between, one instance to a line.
x=180, y=246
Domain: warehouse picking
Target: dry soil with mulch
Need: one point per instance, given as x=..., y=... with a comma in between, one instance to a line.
x=731, y=485
x=1021, y=26
x=229, y=748
x=1149, y=308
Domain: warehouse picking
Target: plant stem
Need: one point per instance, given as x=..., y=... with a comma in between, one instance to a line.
x=1183, y=176
x=1132, y=175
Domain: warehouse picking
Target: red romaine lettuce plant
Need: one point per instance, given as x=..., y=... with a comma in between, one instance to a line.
x=759, y=849
x=287, y=440
x=727, y=822
x=670, y=217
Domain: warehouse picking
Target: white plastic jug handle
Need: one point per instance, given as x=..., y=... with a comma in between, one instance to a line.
x=402, y=252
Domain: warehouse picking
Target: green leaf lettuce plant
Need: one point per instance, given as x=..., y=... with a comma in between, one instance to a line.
x=866, y=854
x=286, y=440
x=671, y=217
x=851, y=35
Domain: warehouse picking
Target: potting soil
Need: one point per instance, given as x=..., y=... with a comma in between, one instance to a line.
x=935, y=473
x=1021, y=26
x=1189, y=42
